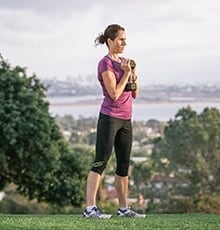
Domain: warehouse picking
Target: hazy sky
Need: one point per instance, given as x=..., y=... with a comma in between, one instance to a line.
x=171, y=40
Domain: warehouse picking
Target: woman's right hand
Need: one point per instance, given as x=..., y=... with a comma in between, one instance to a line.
x=125, y=66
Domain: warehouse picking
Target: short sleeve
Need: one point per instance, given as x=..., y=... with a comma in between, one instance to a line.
x=105, y=65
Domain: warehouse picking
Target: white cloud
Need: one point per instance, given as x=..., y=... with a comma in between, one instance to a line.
x=50, y=45
x=165, y=37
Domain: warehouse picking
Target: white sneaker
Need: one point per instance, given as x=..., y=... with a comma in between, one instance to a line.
x=96, y=213
x=128, y=212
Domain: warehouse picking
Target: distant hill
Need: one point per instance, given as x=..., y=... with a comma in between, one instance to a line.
x=153, y=92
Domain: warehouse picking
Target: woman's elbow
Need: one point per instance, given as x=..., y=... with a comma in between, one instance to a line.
x=114, y=98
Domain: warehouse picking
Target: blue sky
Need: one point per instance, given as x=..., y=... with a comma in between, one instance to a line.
x=172, y=41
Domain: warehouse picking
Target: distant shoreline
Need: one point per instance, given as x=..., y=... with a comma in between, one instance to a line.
x=143, y=109
x=84, y=102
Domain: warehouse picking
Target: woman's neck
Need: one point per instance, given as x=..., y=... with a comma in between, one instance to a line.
x=114, y=57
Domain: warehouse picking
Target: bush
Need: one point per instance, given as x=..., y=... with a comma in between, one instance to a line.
x=205, y=203
x=17, y=204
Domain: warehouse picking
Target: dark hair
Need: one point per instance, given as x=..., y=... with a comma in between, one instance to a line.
x=110, y=32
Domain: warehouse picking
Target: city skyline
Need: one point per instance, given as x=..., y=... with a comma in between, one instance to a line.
x=171, y=41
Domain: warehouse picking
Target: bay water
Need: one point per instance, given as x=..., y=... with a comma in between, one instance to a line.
x=88, y=106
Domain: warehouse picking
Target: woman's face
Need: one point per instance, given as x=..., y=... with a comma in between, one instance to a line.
x=119, y=43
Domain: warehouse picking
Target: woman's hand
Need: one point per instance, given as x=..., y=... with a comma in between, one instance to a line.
x=125, y=66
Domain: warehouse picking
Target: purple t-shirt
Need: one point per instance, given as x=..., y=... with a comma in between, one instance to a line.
x=122, y=107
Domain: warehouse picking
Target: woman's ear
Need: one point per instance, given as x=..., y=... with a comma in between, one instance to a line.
x=109, y=41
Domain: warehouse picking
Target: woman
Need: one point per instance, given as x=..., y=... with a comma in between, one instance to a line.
x=114, y=127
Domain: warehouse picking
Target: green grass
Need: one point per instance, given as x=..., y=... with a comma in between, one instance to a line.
x=153, y=221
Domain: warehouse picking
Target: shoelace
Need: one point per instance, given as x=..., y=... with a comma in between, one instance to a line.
x=98, y=210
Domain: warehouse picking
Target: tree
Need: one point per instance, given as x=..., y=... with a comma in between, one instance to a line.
x=141, y=174
x=189, y=151
x=33, y=152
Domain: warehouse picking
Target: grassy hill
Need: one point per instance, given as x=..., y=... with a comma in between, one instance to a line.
x=153, y=221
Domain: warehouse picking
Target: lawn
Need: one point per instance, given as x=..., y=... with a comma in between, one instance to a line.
x=153, y=221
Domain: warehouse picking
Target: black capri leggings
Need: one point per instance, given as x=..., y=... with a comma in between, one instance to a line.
x=113, y=132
